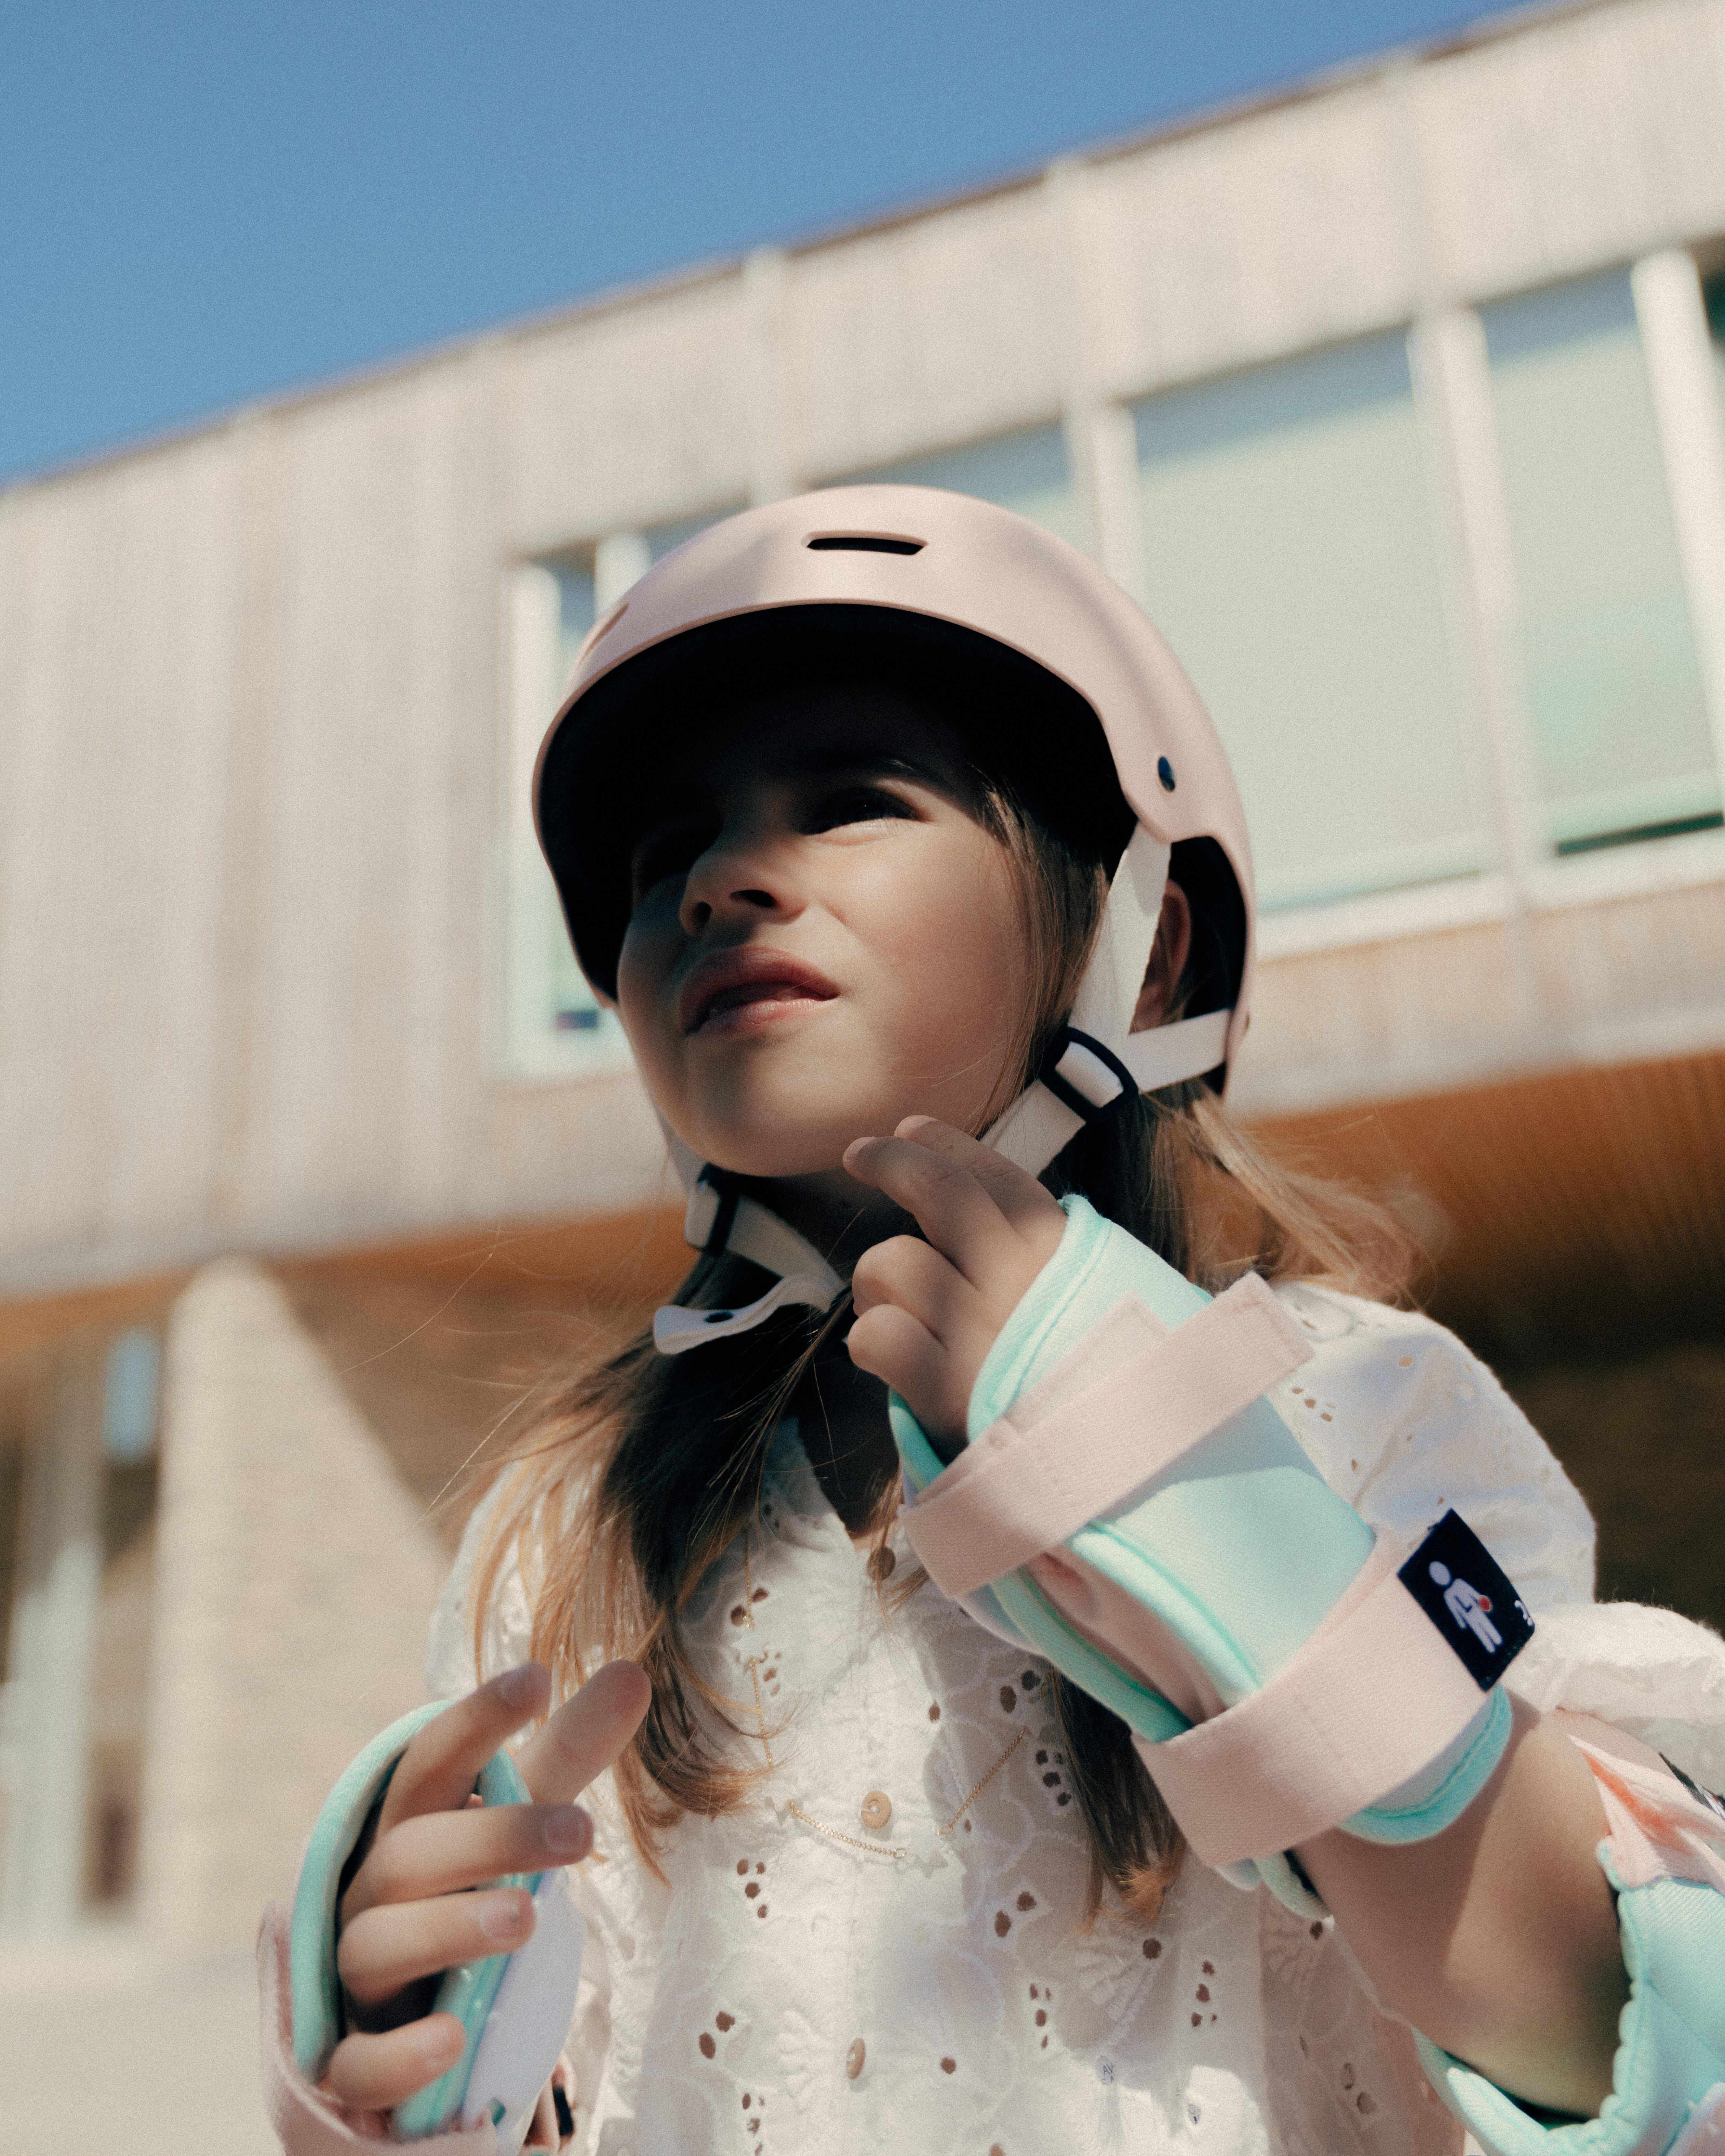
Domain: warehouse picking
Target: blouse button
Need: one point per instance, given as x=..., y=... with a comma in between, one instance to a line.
x=853, y=2058
x=876, y=1812
x=881, y=1564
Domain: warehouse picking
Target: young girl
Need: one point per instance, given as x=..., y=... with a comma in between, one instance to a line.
x=1023, y=1744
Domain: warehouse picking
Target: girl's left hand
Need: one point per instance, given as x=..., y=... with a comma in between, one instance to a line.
x=927, y=1313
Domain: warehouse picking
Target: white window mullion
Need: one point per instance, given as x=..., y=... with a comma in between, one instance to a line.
x=1452, y=385
x=1683, y=379
x=531, y=604
x=620, y=560
x=1119, y=508
x=1077, y=287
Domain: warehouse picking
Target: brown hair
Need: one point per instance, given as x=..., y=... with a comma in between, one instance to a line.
x=636, y=1475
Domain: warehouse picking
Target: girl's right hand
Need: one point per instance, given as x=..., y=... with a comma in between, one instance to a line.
x=411, y=1913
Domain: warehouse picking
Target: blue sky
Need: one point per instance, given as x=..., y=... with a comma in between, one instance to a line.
x=201, y=204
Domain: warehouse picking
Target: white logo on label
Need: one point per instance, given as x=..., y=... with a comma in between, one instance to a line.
x=1468, y=1607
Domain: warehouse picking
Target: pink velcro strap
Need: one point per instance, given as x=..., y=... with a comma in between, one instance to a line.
x=1373, y=1697
x=1128, y=1401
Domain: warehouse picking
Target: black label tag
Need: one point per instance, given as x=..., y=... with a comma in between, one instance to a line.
x=1460, y=1586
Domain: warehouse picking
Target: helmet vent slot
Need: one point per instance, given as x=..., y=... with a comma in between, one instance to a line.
x=863, y=542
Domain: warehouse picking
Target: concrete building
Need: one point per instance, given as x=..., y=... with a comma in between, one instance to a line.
x=1398, y=400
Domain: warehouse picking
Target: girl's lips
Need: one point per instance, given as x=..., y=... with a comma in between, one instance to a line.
x=737, y=991
x=743, y=1010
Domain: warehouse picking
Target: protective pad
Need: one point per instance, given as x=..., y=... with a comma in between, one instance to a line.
x=466, y=1992
x=1114, y=1382
x=1666, y=1857
x=1668, y=2077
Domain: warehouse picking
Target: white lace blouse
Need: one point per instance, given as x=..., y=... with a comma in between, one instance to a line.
x=886, y=1952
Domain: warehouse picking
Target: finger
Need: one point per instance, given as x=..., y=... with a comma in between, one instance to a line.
x=1019, y=1196
x=376, y=2073
x=951, y=1207
x=437, y=1772
x=586, y=1733
x=388, y=1947
x=890, y=1345
x=446, y=1852
x=916, y=1277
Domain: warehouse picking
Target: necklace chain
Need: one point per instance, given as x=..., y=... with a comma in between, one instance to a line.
x=820, y=1826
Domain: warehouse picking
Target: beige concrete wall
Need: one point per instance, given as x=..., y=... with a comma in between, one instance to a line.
x=251, y=859
x=1604, y=978
x=294, y=1580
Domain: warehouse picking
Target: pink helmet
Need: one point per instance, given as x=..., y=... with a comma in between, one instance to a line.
x=1094, y=662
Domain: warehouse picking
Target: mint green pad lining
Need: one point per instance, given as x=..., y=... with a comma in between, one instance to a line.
x=1457, y=1791
x=316, y=1986
x=1671, y=2048
x=1207, y=1550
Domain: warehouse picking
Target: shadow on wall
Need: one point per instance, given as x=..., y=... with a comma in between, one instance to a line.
x=1644, y=1439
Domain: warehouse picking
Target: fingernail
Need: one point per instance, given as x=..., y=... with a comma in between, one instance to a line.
x=567, y=1831
x=517, y=1688
x=439, y=2045
x=914, y=1123
x=502, y=1918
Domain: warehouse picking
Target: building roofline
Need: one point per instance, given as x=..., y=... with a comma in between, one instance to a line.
x=1495, y=28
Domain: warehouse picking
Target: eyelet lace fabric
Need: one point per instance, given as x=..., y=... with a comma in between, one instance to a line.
x=784, y=1990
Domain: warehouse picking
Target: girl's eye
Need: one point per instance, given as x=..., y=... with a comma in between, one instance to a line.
x=858, y=805
x=666, y=853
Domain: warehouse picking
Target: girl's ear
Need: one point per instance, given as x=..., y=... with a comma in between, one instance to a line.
x=1168, y=959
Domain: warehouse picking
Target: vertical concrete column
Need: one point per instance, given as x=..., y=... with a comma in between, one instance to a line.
x=295, y=1578
x=44, y=1709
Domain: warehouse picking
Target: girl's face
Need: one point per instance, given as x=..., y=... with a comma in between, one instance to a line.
x=826, y=936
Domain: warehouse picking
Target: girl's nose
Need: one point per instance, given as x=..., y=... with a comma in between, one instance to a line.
x=740, y=877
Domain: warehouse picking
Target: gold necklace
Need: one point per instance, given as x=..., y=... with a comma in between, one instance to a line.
x=820, y=1826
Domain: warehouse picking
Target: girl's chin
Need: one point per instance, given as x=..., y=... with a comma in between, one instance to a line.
x=771, y=1148
x=771, y=1159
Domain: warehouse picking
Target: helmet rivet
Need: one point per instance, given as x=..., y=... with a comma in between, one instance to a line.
x=1165, y=773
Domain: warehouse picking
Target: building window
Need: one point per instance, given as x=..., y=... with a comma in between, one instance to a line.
x=554, y=1025
x=1713, y=293
x=1292, y=563
x=577, y=1018
x=77, y=1497
x=1603, y=658
x=1027, y=472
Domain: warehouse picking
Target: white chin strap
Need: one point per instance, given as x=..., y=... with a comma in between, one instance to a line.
x=1095, y=1059
x=720, y=1218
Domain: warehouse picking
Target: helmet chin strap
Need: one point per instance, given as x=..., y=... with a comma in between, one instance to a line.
x=1096, y=1057
x=1093, y=1061
x=718, y=1216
